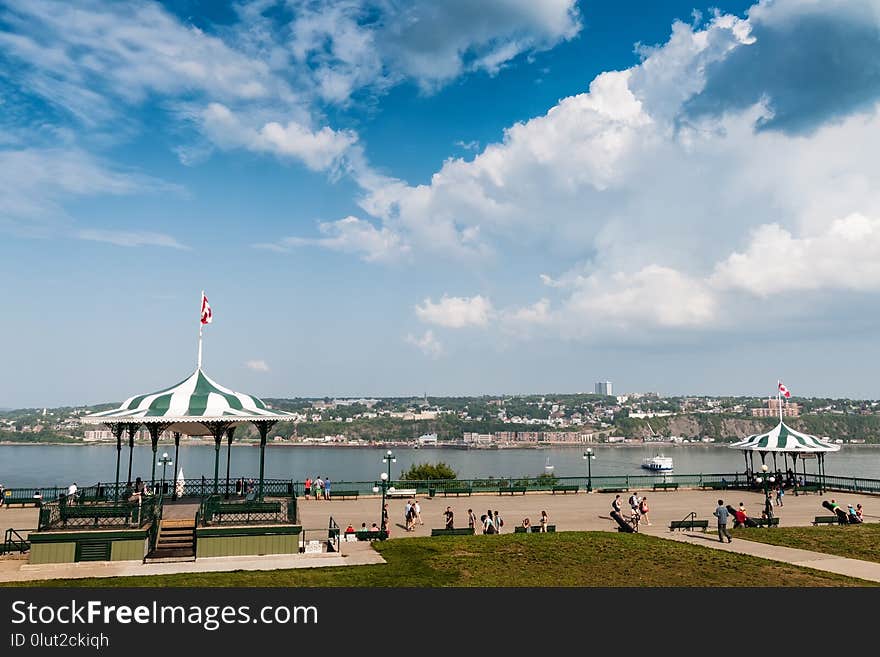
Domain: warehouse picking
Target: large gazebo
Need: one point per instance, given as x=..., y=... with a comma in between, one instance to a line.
x=197, y=406
x=782, y=439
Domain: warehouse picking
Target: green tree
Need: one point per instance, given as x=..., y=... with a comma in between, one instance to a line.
x=424, y=471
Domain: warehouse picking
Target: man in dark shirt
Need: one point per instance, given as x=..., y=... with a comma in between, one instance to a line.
x=449, y=516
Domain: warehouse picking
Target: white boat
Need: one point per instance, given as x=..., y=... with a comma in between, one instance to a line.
x=547, y=467
x=657, y=463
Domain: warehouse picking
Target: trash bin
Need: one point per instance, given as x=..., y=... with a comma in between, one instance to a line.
x=432, y=492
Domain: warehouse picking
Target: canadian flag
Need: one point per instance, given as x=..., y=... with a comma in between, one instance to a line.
x=785, y=391
x=207, y=315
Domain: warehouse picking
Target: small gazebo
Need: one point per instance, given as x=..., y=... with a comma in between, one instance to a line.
x=197, y=406
x=782, y=439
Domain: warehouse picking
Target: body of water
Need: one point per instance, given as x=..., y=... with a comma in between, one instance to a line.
x=56, y=465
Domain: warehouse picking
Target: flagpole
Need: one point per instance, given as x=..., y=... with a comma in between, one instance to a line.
x=778, y=397
x=201, y=301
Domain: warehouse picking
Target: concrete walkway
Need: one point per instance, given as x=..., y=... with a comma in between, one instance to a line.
x=867, y=570
x=353, y=554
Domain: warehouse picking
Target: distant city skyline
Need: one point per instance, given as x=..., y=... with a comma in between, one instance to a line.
x=387, y=200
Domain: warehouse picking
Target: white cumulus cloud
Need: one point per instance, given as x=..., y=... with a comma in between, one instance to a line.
x=456, y=312
x=429, y=345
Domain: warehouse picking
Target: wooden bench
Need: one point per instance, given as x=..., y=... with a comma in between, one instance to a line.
x=512, y=490
x=774, y=522
x=688, y=524
x=402, y=492
x=534, y=529
x=371, y=536
x=566, y=489
x=825, y=520
x=456, y=491
x=457, y=531
x=343, y=494
x=9, y=500
x=665, y=486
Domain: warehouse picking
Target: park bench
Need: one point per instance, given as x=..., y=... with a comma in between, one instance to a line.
x=512, y=490
x=762, y=522
x=96, y=512
x=808, y=488
x=716, y=485
x=825, y=520
x=339, y=494
x=457, y=531
x=688, y=524
x=21, y=500
x=534, y=529
x=402, y=492
x=665, y=486
x=565, y=489
x=612, y=490
x=456, y=491
x=371, y=536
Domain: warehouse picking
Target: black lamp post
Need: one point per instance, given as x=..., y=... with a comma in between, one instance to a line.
x=389, y=458
x=588, y=457
x=165, y=460
x=384, y=485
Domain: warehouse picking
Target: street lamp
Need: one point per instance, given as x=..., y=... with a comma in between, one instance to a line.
x=384, y=485
x=389, y=458
x=588, y=457
x=164, y=460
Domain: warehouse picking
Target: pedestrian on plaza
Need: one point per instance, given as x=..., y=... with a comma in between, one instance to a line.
x=616, y=505
x=327, y=488
x=779, y=494
x=2, y=494
x=544, y=520
x=472, y=519
x=449, y=515
x=722, y=514
x=499, y=523
x=488, y=524
x=408, y=515
x=307, y=487
x=643, y=509
x=71, y=493
x=318, y=487
x=418, y=512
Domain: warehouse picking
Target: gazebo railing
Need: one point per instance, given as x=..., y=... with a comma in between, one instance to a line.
x=61, y=515
x=216, y=511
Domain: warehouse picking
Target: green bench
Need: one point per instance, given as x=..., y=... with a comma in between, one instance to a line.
x=21, y=500
x=457, y=531
x=334, y=494
x=371, y=536
x=456, y=491
x=512, y=490
x=688, y=524
x=665, y=486
x=612, y=490
x=534, y=529
x=566, y=489
x=825, y=520
x=808, y=488
x=774, y=522
x=716, y=485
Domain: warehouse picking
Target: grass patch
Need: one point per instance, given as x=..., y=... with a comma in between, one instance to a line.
x=561, y=559
x=852, y=541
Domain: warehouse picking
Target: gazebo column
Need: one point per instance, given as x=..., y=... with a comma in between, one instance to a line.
x=155, y=431
x=132, y=431
x=176, y=464
x=263, y=427
x=229, y=433
x=117, y=430
x=217, y=430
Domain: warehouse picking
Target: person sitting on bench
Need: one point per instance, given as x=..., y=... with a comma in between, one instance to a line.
x=853, y=516
x=527, y=524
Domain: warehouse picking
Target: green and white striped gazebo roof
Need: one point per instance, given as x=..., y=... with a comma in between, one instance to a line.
x=782, y=438
x=189, y=407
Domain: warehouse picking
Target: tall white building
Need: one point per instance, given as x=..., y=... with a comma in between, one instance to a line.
x=603, y=388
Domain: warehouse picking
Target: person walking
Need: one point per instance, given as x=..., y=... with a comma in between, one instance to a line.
x=499, y=523
x=722, y=514
x=418, y=512
x=643, y=509
x=472, y=519
x=780, y=492
x=488, y=524
x=449, y=515
x=408, y=515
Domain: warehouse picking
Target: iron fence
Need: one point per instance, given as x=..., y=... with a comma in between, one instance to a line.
x=96, y=515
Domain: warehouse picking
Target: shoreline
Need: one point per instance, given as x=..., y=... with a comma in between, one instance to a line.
x=251, y=443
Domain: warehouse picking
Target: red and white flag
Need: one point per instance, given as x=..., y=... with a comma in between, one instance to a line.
x=785, y=391
x=207, y=315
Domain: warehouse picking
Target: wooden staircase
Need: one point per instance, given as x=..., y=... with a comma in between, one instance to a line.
x=176, y=542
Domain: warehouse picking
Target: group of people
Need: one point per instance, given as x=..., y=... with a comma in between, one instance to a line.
x=243, y=487
x=319, y=487
x=412, y=514
x=638, y=506
x=854, y=514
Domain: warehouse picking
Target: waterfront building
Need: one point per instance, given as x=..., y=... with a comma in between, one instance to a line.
x=603, y=388
x=789, y=409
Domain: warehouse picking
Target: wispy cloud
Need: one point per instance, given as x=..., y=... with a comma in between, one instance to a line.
x=130, y=238
x=429, y=345
x=257, y=365
x=456, y=312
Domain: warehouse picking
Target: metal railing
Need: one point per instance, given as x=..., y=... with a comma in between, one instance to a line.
x=61, y=515
x=214, y=511
x=15, y=542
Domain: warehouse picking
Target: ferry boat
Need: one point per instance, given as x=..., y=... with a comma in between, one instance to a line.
x=660, y=463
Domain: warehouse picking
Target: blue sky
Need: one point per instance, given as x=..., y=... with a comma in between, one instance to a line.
x=390, y=198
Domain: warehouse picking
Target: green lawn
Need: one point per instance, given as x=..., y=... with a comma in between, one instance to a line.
x=562, y=559
x=853, y=541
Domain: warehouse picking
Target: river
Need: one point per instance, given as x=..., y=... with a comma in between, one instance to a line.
x=55, y=465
